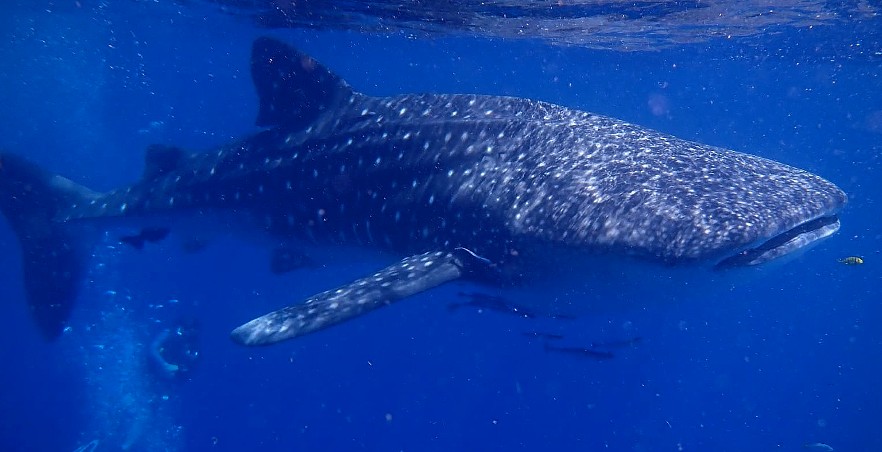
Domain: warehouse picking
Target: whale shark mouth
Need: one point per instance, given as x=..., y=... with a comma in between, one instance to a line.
x=793, y=239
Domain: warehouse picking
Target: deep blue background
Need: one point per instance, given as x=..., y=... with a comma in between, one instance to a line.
x=768, y=365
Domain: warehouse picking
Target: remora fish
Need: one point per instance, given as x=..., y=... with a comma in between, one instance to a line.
x=544, y=204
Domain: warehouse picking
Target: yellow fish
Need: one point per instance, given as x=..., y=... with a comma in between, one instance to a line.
x=852, y=260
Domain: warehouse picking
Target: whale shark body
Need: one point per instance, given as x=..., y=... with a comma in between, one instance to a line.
x=539, y=202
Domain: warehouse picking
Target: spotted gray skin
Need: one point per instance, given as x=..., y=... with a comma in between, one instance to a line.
x=506, y=181
x=410, y=276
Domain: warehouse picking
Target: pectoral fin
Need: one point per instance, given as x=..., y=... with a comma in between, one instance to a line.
x=408, y=277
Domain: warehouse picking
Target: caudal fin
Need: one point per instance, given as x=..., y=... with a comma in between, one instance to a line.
x=52, y=264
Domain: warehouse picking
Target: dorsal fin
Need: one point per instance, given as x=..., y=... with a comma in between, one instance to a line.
x=293, y=88
x=161, y=159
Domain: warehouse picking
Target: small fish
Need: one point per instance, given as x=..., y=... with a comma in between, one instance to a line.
x=594, y=350
x=852, y=260
x=482, y=301
x=541, y=335
x=586, y=352
x=151, y=235
x=630, y=342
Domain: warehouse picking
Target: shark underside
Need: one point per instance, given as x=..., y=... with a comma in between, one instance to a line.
x=484, y=189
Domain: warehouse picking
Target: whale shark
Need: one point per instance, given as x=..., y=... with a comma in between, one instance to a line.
x=540, y=204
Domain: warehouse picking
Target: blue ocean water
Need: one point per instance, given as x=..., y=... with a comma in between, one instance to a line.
x=780, y=363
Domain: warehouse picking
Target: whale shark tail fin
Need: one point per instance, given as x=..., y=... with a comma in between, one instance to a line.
x=293, y=88
x=30, y=199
